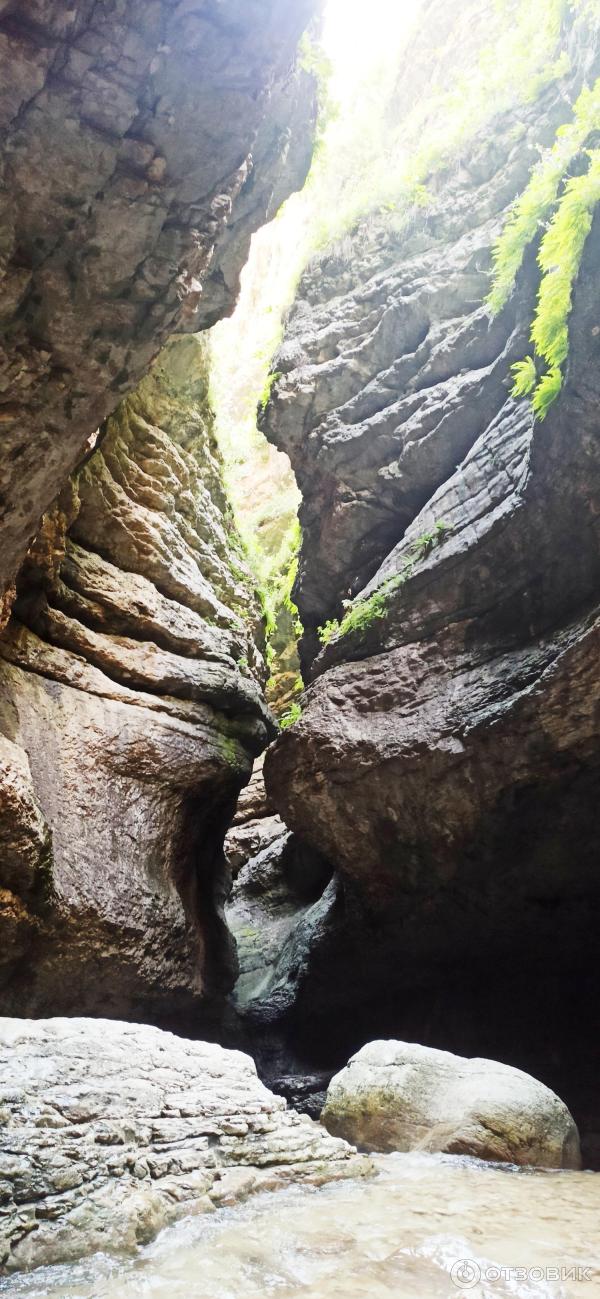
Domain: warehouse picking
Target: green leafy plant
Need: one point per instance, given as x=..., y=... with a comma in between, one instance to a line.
x=563, y=209
x=365, y=612
x=525, y=377
x=422, y=546
x=546, y=392
x=288, y=579
x=293, y=715
x=265, y=395
x=329, y=629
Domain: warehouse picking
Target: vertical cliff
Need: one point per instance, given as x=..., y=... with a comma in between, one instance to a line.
x=142, y=144
x=447, y=751
x=131, y=711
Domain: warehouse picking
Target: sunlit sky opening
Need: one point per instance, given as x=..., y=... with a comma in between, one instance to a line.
x=357, y=35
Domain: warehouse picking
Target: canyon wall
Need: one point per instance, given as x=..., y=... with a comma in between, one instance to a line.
x=447, y=754
x=142, y=144
x=131, y=711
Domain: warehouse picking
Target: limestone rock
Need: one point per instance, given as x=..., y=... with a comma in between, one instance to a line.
x=254, y=825
x=142, y=144
x=401, y=1096
x=131, y=712
x=447, y=756
x=277, y=899
x=111, y=1131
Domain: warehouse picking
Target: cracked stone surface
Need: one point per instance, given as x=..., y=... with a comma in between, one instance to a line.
x=111, y=1131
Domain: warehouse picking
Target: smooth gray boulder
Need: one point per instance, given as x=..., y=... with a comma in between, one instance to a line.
x=110, y=1131
x=401, y=1096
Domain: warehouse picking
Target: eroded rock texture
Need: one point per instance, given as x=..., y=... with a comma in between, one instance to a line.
x=280, y=900
x=130, y=714
x=111, y=1131
x=142, y=144
x=447, y=758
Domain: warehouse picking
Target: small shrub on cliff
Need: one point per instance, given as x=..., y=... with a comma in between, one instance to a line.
x=365, y=612
x=265, y=395
x=293, y=715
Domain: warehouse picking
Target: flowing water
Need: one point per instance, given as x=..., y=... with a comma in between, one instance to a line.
x=427, y=1227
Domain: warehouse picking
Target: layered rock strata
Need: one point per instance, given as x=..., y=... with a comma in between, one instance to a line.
x=111, y=1131
x=447, y=756
x=142, y=144
x=131, y=712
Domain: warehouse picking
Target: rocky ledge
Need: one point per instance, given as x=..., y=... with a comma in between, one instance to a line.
x=111, y=1131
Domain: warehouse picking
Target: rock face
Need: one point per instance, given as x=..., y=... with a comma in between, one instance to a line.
x=131, y=712
x=142, y=144
x=399, y=1096
x=447, y=752
x=276, y=900
x=280, y=903
x=255, y=824
x=111, y=1131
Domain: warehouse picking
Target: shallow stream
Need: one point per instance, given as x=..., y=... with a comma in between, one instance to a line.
x=427, y=1227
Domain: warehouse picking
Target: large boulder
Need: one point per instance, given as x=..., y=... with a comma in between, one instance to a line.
x=401, y=1096
x=110, y=1131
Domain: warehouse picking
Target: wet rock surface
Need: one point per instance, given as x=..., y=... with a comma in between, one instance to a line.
x=111, y=1131
x=401, y=1096
x=279, y=896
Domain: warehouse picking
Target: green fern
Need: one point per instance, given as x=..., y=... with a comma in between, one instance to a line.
x=537, y=201
x=293, y=715
x=567, y=218
x=546, y=392
x=560, y=259
x=525, y=375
